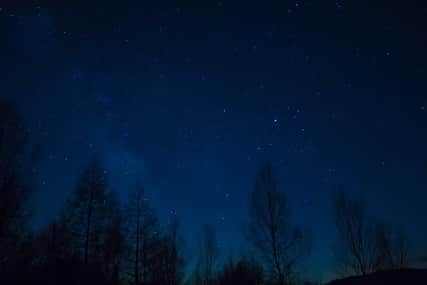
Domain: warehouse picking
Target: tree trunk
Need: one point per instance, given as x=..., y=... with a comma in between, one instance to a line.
x=88, y=225
x=137, y=251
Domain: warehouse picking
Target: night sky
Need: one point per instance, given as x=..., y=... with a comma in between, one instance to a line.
x=188, y=98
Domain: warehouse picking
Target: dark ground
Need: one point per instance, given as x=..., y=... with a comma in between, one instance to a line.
x=389, y=277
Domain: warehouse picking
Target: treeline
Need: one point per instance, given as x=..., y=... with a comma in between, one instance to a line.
x=98, y=240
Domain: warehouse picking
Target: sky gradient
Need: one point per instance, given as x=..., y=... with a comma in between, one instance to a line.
x=188, y=98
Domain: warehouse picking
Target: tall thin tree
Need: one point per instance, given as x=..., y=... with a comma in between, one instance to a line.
x=208, y=256
x=358, y=251
x=270, y=230
x=141, y=228
x=87, y=214
x=174, y=255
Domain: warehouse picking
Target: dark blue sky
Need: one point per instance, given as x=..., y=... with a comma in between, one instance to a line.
x=188, y=97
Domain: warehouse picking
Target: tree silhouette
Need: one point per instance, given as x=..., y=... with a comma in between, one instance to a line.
x=141, y=232
x=165, y=263
x=270, y=231
x=174, y=262
x=53, y=244
x=393, y=247
x=244, y=271
x=400, y=250
x=358, y=250
x=114, y=243
x=16, y=161
x=364, y=244
x=208, y=256
x=88, y=214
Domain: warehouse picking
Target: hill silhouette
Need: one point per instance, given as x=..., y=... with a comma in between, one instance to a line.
x=389, y=277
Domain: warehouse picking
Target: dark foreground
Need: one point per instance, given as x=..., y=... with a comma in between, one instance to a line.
x=388, y=277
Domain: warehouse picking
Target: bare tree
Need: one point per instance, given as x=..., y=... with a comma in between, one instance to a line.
x=401, y=251
x=393, y=247
x=114, y=243
x=270, y=230
x=141, y=232
x=358, y=251
x=166, y=263
x=87, y=214
x=173, y=250
x=53, y=244
x=208, y=256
